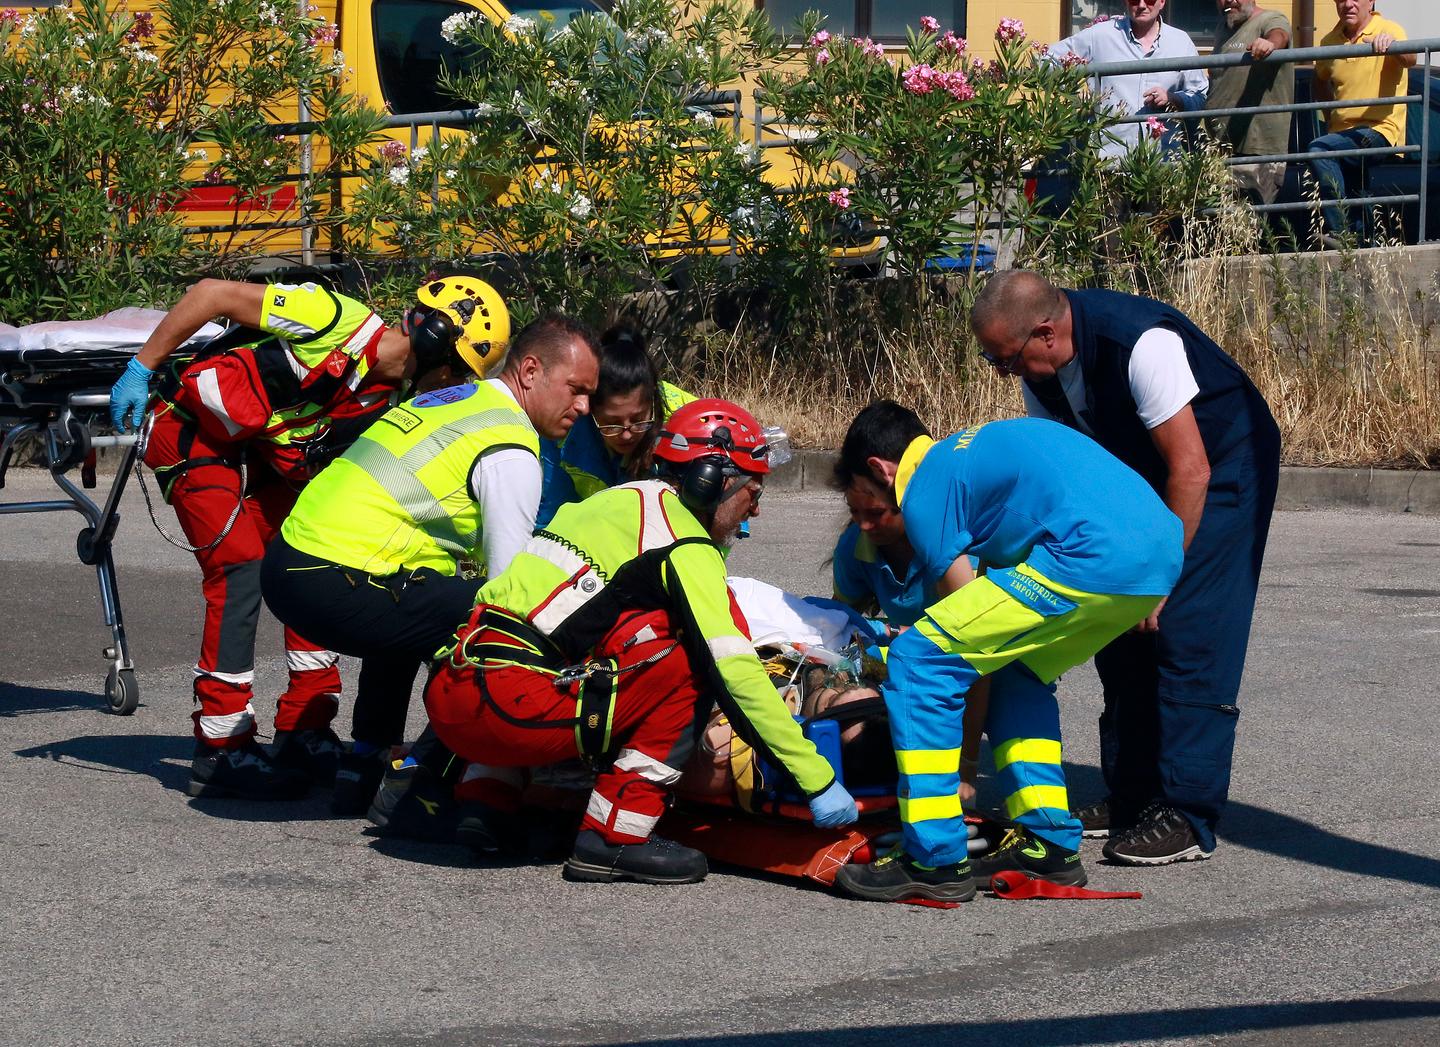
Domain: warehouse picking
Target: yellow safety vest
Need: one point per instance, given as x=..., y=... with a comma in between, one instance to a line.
x=399, y=498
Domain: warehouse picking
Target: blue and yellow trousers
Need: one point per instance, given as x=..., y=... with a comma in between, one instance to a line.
x=1023, y=630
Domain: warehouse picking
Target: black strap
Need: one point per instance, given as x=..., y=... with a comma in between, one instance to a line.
x=864, y=708
x=594, y=709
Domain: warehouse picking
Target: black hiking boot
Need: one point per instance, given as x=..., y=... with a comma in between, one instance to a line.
x=897, y=877
x=357, y=779
x=657, y=860
x=1161, y=836
x=244, y=773
x=1094, y=820
x=1023, y=851
x=314, y=752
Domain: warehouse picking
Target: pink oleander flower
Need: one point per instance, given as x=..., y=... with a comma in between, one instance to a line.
x=394, y=152
x=839, y=198
x=1071, y=60
x=1010, y=29
x=1041, y=50
x=324, y=34
x=1100, y=18
x=958, y=86
x=929, y=24
x=951, y=44
x=9, y=15
x=213, y=176
x=820, y=39
x=1155, y=127
x=869, y=48
x=919, y=79
x=822, y=56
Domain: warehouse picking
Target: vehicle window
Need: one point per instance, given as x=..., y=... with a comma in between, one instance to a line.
x=410, y=52
x=561, y=13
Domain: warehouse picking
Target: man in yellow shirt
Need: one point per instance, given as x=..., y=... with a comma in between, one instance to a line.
x=1363, y=127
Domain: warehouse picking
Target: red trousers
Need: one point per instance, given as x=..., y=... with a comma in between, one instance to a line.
x=204, y=497
x=503, y=716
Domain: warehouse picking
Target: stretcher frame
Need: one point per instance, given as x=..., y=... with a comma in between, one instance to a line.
x=56, y=396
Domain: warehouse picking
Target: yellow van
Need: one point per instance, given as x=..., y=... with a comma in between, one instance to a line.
x=395, y=50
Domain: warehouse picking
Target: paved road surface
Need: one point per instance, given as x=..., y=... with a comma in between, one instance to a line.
x=133, y=915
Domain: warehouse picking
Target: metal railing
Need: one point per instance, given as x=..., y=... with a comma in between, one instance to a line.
x=1099, y=72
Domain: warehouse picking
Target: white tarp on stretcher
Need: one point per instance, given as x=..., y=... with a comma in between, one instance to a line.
x=119, y=329
x=776, y=616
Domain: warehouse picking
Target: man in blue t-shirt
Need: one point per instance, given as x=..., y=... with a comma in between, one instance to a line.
x=1079, y=549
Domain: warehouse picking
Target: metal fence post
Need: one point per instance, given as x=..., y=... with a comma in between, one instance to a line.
x=1424, y=149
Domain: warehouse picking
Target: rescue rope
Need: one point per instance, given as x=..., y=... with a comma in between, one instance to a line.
x=141, y=442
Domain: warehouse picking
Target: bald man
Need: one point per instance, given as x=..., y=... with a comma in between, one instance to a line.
x=1148, y=385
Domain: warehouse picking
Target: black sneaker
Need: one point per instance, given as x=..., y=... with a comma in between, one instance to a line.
x=314, y=752
x=244, y=773
x=414, y=804
x=486, y=830
x=357, y=779
x=1161, y=836
x=1023, y=851
x=657, y=860
x=1094, y=820
x=896, y=877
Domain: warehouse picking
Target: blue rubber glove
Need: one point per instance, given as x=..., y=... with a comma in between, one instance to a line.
x=130, y=394
x=871, y=628
x=835, y=806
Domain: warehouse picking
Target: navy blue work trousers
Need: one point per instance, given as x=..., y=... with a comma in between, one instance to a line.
x=1168, y=729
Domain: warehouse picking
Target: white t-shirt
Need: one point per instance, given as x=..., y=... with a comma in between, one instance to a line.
x=1161, y=381
x=506, y=485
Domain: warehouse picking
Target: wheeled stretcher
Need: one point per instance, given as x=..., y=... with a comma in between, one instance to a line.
x=55, y=381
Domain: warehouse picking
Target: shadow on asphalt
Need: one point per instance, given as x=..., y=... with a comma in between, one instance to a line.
x=19, y=700
x=167, y=758
x=1337, y=1015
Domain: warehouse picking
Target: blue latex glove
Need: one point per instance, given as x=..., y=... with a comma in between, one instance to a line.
x=835, y=806
x=871, y=628
x=130, y=394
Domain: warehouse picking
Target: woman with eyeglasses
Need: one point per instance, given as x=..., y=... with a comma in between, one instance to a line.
x=613, y=444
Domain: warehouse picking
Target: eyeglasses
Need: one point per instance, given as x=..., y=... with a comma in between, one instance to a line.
x=1144, y=3
x=638, y=428
x=1009, y=362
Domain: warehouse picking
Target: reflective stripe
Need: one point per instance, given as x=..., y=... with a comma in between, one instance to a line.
x=511, y=776
x=565, y=603
x=930, y=808
x=631, y=823
x=928, y=761
x=729, y=647
x=304, y=661
x=1035, y=797
x=647, y=767
x=356, y=343
x=655, y=532
x=562, y=556
x=599, y=808
x=246, y=677
x=230, y=725
x=298, y=367
x=207, y=384
x=1030, y=750
x=413, y=497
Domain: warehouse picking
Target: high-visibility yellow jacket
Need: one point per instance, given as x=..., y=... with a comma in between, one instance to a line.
x=637, y=547
x=400, y=496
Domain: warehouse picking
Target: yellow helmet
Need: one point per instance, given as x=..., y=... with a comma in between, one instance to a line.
x=476, y=310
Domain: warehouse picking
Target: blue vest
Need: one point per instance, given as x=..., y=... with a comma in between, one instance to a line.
x=1234, y=421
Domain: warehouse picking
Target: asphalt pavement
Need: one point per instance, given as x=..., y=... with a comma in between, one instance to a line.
x=134, y=915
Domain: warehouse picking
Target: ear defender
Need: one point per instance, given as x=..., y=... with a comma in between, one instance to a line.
x=702, y=484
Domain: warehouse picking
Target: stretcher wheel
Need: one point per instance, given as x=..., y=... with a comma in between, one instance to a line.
x=122, y=692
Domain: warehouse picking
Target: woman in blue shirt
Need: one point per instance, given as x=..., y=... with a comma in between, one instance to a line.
x=612, y=444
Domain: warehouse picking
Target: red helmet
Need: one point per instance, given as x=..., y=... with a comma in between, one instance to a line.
x=712, y=428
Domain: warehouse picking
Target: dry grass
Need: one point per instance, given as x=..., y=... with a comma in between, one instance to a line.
x=1337, y=345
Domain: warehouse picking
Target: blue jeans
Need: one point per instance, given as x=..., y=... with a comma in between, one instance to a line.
x=1338, y=177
